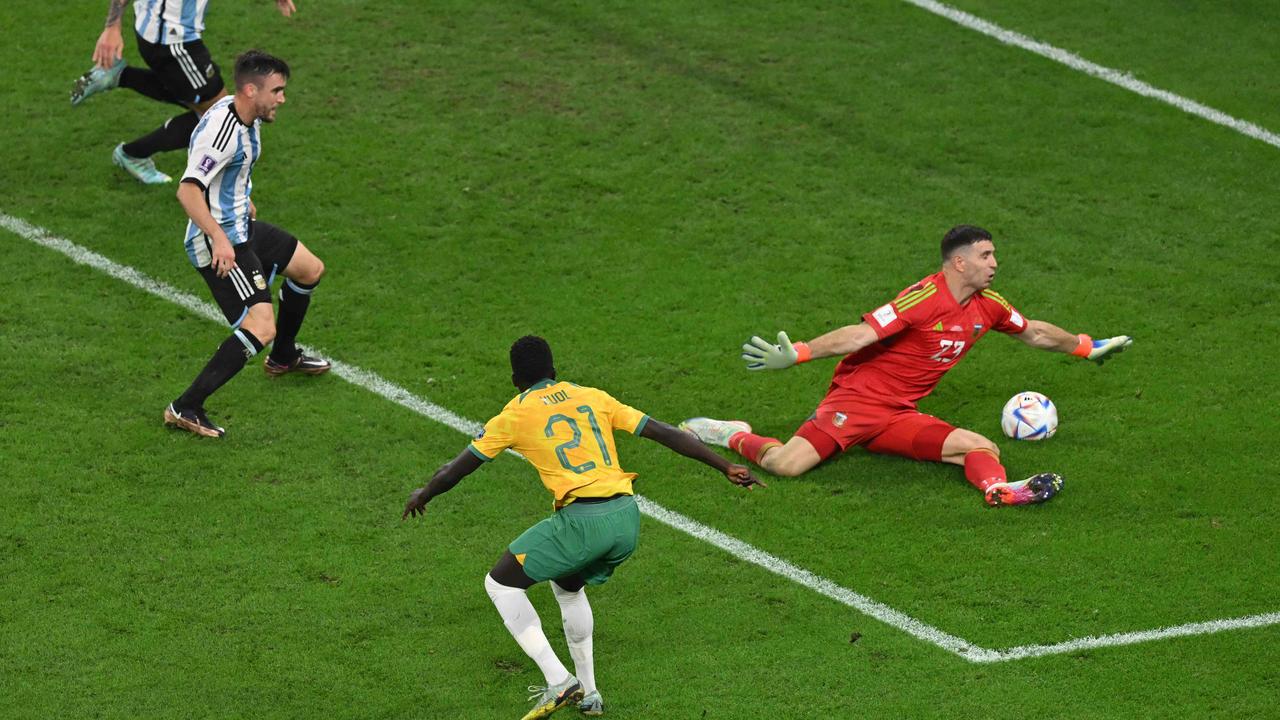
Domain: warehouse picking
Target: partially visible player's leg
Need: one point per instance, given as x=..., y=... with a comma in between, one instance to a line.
x=983, y=469
x=794, y=458
x=507, y=584
x=182, y=73
x=612, y=529
x=245, y=302
x=148, y=83
x=979, y=456
x=302, y=271
x=174, y=134
x=579, y=623
x=98, y=80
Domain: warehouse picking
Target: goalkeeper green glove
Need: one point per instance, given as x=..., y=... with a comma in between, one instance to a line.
x=1099, y=350
x=761, y=354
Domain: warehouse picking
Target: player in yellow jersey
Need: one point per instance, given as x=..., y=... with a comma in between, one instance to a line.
x=566, y=432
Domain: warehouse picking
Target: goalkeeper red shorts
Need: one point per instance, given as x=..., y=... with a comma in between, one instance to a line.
x=845, y=418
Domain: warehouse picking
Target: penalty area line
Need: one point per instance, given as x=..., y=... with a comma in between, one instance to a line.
x=743, y=551
x=1111, y=75
x=1131, y=638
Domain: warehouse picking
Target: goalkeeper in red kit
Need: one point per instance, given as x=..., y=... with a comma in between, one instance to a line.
x=895, y=357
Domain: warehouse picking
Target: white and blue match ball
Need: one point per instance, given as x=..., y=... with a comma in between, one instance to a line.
x=1029, y=416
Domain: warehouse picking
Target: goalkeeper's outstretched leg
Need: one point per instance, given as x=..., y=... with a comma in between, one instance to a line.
x=796, y=457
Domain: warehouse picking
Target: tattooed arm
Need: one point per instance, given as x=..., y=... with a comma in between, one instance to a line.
x=110, y=47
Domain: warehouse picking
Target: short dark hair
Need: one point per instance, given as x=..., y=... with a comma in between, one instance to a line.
x=960, y=236
x=531, y=360
x=254, y=64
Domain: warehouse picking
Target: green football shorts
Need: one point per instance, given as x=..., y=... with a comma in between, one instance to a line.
x=587, y=539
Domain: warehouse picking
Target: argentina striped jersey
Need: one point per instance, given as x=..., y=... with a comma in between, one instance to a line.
x=166, y=22
x=220, y=160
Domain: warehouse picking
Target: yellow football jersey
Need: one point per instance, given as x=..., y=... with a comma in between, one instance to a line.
x=566, y=431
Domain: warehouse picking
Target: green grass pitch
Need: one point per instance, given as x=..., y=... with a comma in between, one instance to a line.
x=646, y=185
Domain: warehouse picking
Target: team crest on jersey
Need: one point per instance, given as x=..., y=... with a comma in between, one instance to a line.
x=977, y=329
x=206, y=164
x=257, y=280
x=838, y=419
x=208, y=72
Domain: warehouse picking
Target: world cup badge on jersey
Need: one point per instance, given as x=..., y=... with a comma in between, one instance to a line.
x=838, y=419
x=977, y=329
x=257, y=280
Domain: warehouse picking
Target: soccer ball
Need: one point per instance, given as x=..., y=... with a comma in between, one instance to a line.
x=1029, y=416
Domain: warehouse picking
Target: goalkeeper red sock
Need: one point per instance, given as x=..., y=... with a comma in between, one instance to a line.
x=982, y=469
x=751, y=446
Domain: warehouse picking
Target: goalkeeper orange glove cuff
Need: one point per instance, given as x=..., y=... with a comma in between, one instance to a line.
x=803, y=353
x=1085, y=347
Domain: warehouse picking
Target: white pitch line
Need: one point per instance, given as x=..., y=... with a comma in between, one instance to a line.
x=378, y=385
x=1111, y=75
x=743, y=551
x=817, y=583
x=1130, y=638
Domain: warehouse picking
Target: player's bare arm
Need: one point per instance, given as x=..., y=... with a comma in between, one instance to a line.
x=843, y=341
x=193, y=202
x=449, y=474
x=115, y=11
x=1047, y=336
x=286, y=7
x=110, y=47
x=760, y=354
x=689, y=446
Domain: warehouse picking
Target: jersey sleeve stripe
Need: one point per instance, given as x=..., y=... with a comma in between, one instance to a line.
x=993, y=295
x=908, y=295
x=224, y=133
x=915, y=299
x=477, y=453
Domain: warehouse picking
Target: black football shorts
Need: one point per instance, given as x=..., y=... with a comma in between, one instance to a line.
x=186, y=70
x=258, y=261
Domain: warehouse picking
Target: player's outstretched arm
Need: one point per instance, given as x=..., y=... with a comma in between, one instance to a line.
x=286, y=7
x=689, y=446
x=441, y=482
x=1047, y=336
x=760, y=354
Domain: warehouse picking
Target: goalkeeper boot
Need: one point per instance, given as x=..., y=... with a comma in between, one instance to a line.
x=592, y=704
x=95, y=81
x=1035, y=489
x=142, y=168
x=714, y=432
x=304, y=364
x=193, y=421
x=550, y=699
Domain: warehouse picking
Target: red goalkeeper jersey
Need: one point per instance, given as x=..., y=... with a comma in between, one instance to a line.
x=923, y=333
